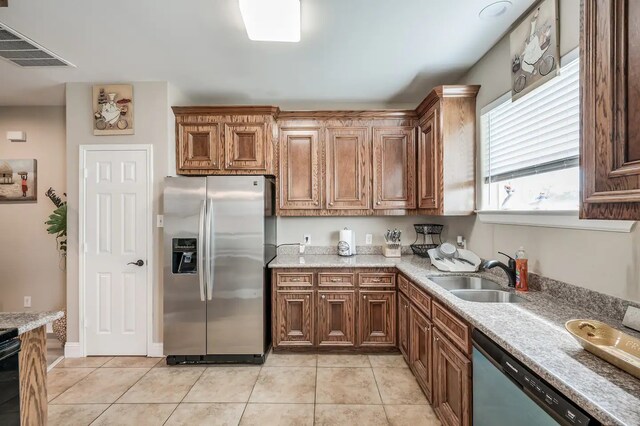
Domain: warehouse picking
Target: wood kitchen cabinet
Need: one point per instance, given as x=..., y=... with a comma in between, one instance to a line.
x=348, y=163
x=225, y=140
x=421, y=353
x=300, y=180
x=394, y=168
x=610, y=110
x=446, y=151
x=404, y=308
x=451, y=382
x=377, y=318
x=294, y=318
x=199, y=147
x=336, y=318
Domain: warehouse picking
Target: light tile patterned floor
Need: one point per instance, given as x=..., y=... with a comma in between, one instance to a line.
x=290, y=389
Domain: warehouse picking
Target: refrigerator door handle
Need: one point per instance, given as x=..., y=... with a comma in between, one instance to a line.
x=208, y=250
x=200, y=256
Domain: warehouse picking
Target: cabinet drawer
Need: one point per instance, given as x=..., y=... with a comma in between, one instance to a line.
x=294, y=279
x=332, y=279
x=422, y=301
x=403, y=284
x=453, y=328
x=377, y=279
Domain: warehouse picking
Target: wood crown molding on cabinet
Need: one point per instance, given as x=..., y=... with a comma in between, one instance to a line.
x=227, y=110
x=345, y=115
x=448, y=91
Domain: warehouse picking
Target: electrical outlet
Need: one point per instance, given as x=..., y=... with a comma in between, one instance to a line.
x=27, y=301
x=306, y=238
x=368, y=239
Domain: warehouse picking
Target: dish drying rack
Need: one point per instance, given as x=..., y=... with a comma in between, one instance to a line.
x=430, y=232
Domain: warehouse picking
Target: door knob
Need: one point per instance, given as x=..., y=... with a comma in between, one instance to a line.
x=138, y=262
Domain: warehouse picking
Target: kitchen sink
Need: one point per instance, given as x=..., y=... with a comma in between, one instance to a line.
x=462, y=282
x=488, y=296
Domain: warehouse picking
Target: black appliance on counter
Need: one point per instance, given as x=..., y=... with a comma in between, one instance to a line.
x=9, y=377
x=506, y=393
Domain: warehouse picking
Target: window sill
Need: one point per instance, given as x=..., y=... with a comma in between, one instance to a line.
x=553, y=219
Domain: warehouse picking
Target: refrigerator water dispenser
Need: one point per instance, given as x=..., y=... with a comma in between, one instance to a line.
x=184, y=256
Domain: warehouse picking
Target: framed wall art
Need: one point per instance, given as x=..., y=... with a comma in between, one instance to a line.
x=534, y=46
x=18, y=180
x=113, y=109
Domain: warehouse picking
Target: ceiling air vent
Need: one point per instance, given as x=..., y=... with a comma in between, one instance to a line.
x=20, y=50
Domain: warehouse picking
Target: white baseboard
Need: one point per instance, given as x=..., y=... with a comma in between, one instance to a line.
x=155, y=350
x=73, y=350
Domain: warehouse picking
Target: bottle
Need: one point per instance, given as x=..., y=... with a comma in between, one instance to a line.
x=522, y=270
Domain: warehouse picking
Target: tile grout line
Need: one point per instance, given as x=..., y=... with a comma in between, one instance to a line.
x=251, y=393
x=184, y=396
x=384, y=410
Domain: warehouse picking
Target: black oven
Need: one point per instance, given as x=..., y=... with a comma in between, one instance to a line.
x=9, y=378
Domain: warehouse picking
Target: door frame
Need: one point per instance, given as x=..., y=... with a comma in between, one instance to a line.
x=84, y=149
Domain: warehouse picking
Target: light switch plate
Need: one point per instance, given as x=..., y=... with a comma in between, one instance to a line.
x=632, y=318
x=160, y=221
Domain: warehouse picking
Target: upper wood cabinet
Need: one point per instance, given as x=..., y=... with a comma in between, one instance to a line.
x=394, y=167
x=299, y=165
x=245, y=146
x=348, y=163
x=198, y=147
x=225, y=140
x=446, y=151
x=610, y=114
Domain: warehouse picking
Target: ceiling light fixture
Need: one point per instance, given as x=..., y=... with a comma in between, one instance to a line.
x=271, y=20
x=495, y=9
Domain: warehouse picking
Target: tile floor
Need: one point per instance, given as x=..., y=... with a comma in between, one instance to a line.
x=289, y=389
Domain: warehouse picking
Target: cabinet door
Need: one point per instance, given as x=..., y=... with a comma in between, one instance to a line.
x=377, y=318
x=421, y=355
x=610, y=84
x=198, y=148
x=428, y=160
x=245, y=146
x=299, y=169
x=336, y=318
x=348, y=162
x=294, y=318
x=394, y=168
x=403, y=326
x=452, y=382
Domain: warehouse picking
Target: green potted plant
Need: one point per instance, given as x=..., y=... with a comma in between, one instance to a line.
x=57, y=225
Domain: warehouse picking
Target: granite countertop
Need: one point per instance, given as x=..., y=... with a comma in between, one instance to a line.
x=27, y=321
x=531, y=332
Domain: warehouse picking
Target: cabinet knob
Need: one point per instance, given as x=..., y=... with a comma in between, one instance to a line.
x=378, y=203
x=323, y=296
x=230, y=163
x=316, y=203
x=330, y=204
x=364, y=297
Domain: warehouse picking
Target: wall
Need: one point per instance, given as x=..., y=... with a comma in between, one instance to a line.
x=30, y=264
x=151, y=118
x=603, y=261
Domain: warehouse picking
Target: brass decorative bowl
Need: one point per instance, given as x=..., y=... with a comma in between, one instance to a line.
x=606, y=342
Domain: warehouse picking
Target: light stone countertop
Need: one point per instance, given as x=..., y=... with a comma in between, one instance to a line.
x=532, y=332
x=27, y=321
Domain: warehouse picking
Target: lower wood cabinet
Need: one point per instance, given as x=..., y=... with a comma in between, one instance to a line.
x=403, y=325
x=337, y=308
x=294, y=318
x=336, y=318
x=377, y=318
x=452, y=382
x=421, y=354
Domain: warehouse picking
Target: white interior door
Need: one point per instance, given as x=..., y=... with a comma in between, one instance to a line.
x=116, y=215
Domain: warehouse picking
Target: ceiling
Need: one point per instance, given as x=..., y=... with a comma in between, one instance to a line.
x=352, y=52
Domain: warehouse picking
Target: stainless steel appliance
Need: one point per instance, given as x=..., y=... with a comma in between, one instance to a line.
x=219, y=236
x=9, y=377
x=506, y=393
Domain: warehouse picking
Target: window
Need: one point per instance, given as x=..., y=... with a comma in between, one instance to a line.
x=530, y=147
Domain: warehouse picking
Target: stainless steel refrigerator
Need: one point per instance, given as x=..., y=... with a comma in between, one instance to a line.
x=219, y=236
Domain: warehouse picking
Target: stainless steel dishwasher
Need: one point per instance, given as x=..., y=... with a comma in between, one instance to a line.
x=506, y=393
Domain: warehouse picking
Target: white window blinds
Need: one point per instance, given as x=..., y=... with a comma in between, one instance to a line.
x=537, y=133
